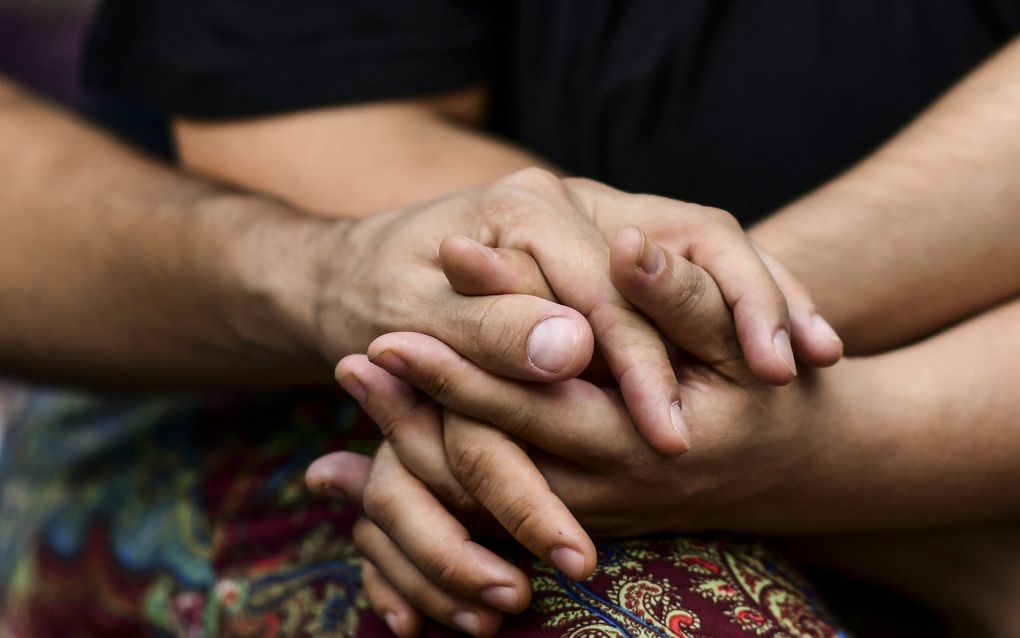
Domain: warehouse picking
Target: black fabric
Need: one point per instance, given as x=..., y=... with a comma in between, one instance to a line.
x=236, y=58
x=742, y=104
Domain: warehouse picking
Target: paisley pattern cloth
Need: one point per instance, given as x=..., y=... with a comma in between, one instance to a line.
x=186, y=516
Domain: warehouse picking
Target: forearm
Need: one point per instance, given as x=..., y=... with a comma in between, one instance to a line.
x=923, y=232
x=116, y=270
x=920, y=437
x=356, y=160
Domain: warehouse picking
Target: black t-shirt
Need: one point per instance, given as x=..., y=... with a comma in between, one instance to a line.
x=742, y=104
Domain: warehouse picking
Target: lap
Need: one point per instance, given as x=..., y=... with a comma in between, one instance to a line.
x=186, y=516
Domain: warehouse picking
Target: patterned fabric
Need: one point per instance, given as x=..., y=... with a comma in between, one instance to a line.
x=683, y=587
x=185, y=516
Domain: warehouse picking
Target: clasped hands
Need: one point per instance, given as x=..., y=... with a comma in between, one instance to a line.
x=599, y=362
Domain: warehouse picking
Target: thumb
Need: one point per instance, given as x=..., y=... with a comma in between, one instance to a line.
x=340, y=475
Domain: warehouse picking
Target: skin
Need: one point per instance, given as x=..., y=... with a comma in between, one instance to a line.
x=958, y=156
x=928, y=221
x=117, y=270
x=129, y=274
x=172, y=280
x=908, y=490
x=520, y=501
x=807, y=458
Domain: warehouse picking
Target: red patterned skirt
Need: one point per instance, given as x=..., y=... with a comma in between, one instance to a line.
x=184, y=516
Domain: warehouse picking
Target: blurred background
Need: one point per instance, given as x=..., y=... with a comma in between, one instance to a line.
x=40, y=44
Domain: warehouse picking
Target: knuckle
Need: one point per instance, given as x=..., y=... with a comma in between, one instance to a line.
x=587, y=183
x=379, y=503
x=452, y=494
x=441, y=568
x=440, y=385
x=517, y=417
x=769, y=301
x=723, y=220
x=470, y=463
x=389, y=426
x=537, y=180
x=509, y=205
x=527, y=194
x=687, y=289
x=520, y=517
x=607, y=315
x=495, y=333
x=411, y=445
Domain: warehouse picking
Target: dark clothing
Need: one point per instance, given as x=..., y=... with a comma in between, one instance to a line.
x=742, y=104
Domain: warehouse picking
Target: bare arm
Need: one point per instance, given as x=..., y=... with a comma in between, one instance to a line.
x=922, y=436
x=928, y=222
x=356, y=160
x=924, y=232
x=113, y=267
x=119, y=271
x=116, y=269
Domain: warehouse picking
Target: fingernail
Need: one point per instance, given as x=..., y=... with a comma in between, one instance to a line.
x=502, y=597
x=823, y=328
x=676, y=417
x=391, y=621
x=354, y=387
x=781, y=346
x=651, y=260
x=333, y=491
x=468, y=621
x=391, y=362
x=552, y=343
x=567, y=560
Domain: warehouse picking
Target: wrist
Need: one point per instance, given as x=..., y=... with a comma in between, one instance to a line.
x=807, y=475
x=269, y=274
x=365, y=286
x=841, y=480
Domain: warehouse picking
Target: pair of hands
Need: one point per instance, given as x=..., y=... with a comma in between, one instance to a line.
x=532, y=289
x=592, y=453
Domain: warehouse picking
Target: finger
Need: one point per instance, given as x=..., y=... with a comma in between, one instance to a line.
x=411, y=424
x=435, y=542
x=574, y=256
x=497, y=472
x=681, y=298
x=471, y=272
x=340, y=475
x=714, y=240
x=572, y=419
x=814, y=340
x=402, y=619
x=422, y=593
x=473, y=268
x=759, y=308
x=514, y=335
